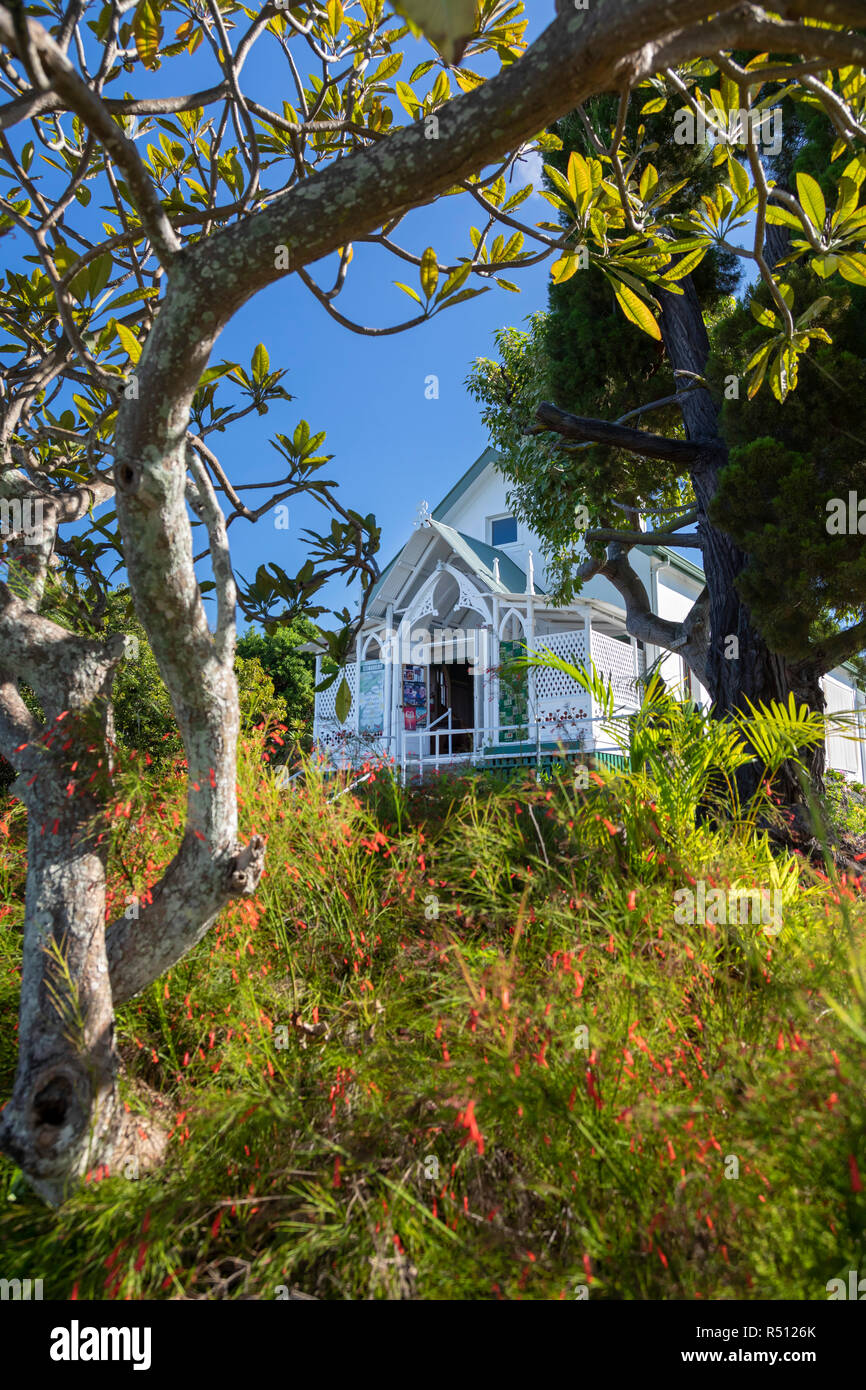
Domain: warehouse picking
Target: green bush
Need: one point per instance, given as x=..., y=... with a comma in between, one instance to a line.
x=846, y=803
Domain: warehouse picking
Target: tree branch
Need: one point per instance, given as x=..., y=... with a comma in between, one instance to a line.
x=79, y=97
x=832, y=651
x=679, y=451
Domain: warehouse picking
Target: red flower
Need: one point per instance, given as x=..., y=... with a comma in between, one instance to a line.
x=856, y=1180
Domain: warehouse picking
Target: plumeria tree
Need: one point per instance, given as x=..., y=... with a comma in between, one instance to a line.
x=150, y=218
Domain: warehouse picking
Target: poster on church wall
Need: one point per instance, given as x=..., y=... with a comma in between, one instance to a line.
x=414, y=697
x=371, y=697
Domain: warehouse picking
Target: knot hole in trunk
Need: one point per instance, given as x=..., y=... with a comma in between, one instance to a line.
x=52, y=1104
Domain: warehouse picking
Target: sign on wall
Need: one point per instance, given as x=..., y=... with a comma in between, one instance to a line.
x=414, y=697
x=371, y=697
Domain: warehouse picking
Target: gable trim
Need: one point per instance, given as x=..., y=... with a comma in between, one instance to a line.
x=464, y=484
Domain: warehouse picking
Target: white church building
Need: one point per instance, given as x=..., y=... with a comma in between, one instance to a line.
x=429, y=679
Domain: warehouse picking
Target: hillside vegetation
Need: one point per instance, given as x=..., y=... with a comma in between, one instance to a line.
x=458, y=1046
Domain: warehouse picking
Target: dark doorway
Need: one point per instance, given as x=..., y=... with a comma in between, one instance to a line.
x=451, y=687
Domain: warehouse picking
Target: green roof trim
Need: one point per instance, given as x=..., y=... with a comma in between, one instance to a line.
x=480, y=557
x=664, y=552
x=380, y=581
x=463, y=484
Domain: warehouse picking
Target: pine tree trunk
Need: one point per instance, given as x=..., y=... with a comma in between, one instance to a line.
x=741, y=668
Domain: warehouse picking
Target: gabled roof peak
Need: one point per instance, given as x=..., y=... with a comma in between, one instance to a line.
x=481, y=464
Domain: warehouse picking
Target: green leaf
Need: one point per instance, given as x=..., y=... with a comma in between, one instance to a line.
x=456, y=280
x=648, y=181
x=260, y=363
x=783, y=373
x=147, y=28
x=448, y=24
x=407, y=98
x=563, y=269
x=301, y=437
x=688, y=263
x=825, y=266
x=856, y=170
x=759, y=362
x=812, y=200
x=517, y=198
x=429, y=272
x=636, y=310
x=781, y=217
x=100, y=269
x=343, y=701
x=441, y=90
x=390, y=67
x=129, y=342
x=407, y=289
x=560, y=184
x=739, y=178
x=846, y=202
x=467, y=81
x=765, y=317
x=579, y=181
x=461, y=297
x=816, y=307
x=853, y=268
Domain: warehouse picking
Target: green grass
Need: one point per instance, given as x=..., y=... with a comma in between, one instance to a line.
x=458, y=1047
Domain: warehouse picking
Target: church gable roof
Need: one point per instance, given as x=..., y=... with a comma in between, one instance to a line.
x=427, y=546
x=481, y=464
x=480, y=557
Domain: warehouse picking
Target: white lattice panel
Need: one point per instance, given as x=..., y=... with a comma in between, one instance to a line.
x=614, y=662
x=561, y=702
x=556, y=685
x=326, y=703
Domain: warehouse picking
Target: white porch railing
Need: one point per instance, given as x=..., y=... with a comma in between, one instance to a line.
x=536, y=740
x=560, y=709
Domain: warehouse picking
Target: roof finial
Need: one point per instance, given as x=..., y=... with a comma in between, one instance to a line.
x=424, y=515
x=496, y=569
x=530, y=575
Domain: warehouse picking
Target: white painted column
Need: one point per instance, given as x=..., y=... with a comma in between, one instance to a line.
x=593, y=710
x=532, y=682
x=491, y=701
x=388, y=694
x=479, y=702
x=355, y=720
x=316, y=724
x=403, y=637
